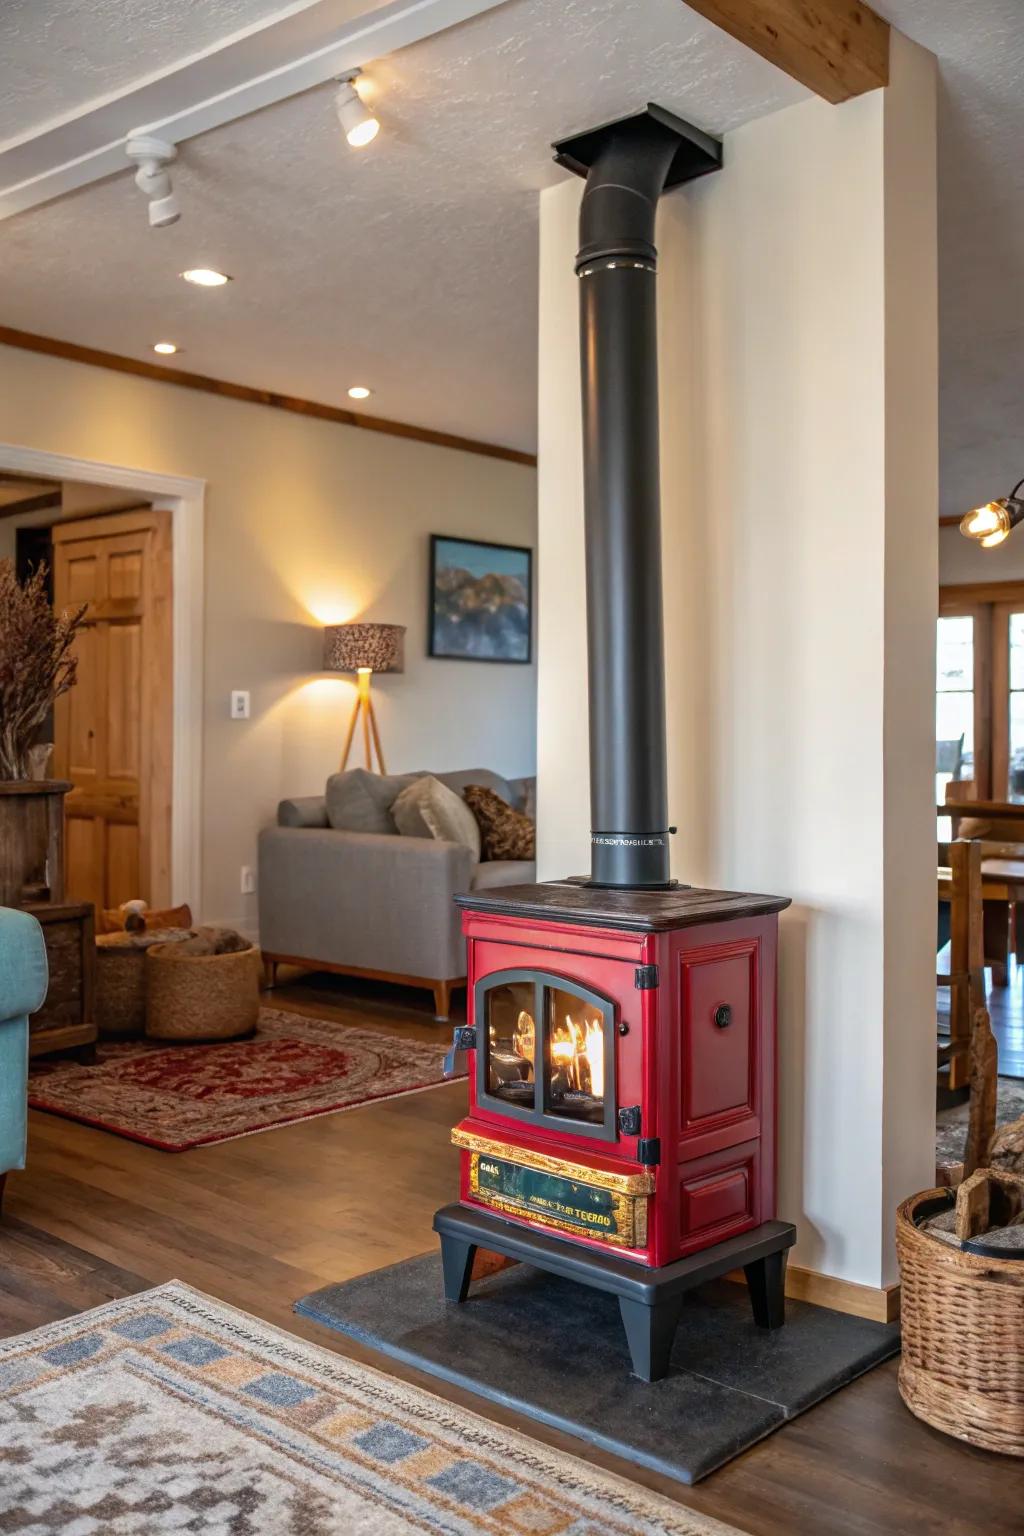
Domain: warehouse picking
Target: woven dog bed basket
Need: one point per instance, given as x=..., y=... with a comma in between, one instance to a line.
x=201, y=997
x=962, y=1317
x=121, y=979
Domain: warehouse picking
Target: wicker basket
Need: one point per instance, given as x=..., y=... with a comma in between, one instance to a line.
x=201, y=997
x=962, y=1367
x=121, y=980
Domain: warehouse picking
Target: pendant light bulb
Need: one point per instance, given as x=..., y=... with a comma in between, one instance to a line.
x=359, y=124
x=995, y=521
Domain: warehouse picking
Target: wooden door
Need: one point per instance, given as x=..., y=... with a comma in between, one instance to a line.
x=112, y=731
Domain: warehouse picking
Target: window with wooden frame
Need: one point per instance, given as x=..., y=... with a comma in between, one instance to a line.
x=979, y=691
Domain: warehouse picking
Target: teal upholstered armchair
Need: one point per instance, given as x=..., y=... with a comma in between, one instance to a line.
x=23, y=978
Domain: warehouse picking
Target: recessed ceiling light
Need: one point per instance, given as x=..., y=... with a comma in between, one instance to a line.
x=359, y=392
x=165, y=348
x=205, y=277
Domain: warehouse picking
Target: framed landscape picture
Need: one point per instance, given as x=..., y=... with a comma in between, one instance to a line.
x=481, y=600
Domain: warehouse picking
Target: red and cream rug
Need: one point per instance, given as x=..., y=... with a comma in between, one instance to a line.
x=181, y=1096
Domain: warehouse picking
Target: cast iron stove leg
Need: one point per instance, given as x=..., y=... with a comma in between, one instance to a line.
x=649, y=1334
x=766, y=1281
x=457, y=1264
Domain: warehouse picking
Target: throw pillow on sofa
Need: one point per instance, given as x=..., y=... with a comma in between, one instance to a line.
x=360, y=801
x=504, y=833
x=428, y=808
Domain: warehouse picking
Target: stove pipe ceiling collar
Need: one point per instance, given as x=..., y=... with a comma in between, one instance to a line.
x=627, y=165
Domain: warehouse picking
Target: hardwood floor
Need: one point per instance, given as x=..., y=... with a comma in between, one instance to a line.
x=260, y=1221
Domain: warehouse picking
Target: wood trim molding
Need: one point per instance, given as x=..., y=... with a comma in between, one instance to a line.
x=836, y=48
x=51, y=346
x=881, y=1304
x=980, y=592
x=31, y=504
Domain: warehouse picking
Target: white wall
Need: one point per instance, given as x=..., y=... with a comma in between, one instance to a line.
x=306, y=523
x=798, y=378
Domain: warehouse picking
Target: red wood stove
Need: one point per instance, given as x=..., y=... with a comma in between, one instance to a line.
x=622, y=1101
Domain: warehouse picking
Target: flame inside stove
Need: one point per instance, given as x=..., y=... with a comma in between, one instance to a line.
x=578, y=1051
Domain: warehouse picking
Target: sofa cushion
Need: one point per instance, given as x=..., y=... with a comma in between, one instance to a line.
x=460, y=777
x=361, y=801
x=504, y=872
x=428, y=808
x=505, y=833
x=524, y=795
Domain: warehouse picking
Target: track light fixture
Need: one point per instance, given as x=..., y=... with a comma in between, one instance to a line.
x=996, y=520
x=153, y=156
x=359, y=124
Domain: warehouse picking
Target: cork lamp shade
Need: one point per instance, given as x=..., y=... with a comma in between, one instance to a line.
x=364, y=649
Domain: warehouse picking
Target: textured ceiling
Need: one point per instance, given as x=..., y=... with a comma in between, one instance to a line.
x=411, y=266
x=56, y=57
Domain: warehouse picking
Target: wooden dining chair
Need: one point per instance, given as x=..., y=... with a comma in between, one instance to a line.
x=959, y=891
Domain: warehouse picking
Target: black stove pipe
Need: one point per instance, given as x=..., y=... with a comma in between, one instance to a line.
x=627, y=166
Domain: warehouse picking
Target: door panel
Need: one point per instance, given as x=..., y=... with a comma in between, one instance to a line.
x=122, y=861
x=124, y=699
x=81, y=710
x=113, y=729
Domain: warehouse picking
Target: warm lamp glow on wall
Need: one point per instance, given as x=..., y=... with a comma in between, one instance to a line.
x=995, y=521
x=364, y=649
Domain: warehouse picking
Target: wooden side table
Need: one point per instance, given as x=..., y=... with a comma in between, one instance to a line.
x=68, y=1017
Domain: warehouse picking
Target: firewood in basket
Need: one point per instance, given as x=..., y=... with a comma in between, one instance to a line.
x=1006, y=1150
x=984, y=1084
x=989, y=1198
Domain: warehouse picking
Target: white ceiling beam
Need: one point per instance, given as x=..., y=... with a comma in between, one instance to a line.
x=304, y=46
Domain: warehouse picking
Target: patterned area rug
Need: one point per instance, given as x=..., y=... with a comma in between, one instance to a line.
x=169, y=1412
x=181, y=1096
x=951, y=1124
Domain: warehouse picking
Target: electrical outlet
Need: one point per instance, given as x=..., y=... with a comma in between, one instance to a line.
x=248, y=880
x=240, y=704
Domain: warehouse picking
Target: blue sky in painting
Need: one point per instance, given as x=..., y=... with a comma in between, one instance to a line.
x=481, y=561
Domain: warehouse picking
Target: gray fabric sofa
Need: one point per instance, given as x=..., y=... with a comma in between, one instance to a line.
x=371, y=902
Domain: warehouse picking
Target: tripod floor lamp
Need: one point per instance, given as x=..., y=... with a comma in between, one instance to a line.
x=364, y=649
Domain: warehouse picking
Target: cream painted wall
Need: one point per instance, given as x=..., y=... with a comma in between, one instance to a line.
x=798, y=381
x=306, y=523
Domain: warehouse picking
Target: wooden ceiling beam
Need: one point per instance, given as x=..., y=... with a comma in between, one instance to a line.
x=836, y=48
x=30, y=504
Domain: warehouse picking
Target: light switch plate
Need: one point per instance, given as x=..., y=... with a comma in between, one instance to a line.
x=248, y=880
x=240, y=704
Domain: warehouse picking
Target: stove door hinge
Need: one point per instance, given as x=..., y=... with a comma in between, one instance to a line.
x=645, y=978
x=463, y=1040
x=648, y=1151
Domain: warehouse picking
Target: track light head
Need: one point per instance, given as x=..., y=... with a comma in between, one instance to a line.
x=359, y=124
x=152, y=157
x=995, y=521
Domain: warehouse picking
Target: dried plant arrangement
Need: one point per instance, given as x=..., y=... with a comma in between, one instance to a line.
x=36, y=663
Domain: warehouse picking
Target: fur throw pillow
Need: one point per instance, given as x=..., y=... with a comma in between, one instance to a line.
x=504, y=833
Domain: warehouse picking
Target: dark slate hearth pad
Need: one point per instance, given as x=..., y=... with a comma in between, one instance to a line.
x=555, y=1350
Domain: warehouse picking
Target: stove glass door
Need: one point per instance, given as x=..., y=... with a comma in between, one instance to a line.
x=574, y=1062
x=548, y=1051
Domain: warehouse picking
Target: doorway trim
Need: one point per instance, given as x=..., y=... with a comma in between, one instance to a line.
x=185, y=499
